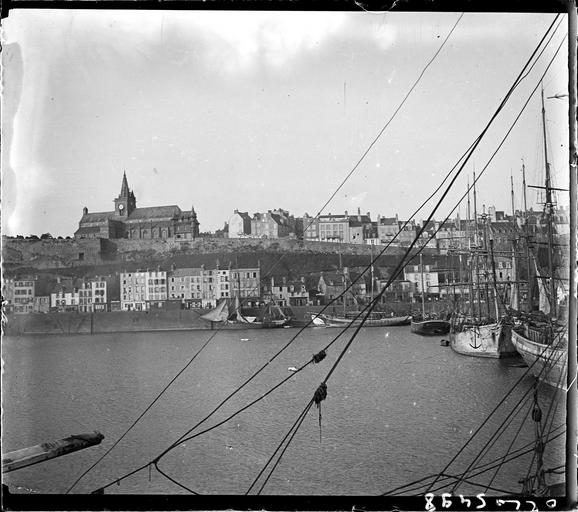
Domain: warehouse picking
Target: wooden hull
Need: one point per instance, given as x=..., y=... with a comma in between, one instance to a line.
x=393, y=321
x=18, y=459
x=491, y=340
x=430, y=327
x=246, y=325
x=547, y=363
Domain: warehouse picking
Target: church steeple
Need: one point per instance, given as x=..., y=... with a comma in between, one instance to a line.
x=124, y=187
x=125, y=203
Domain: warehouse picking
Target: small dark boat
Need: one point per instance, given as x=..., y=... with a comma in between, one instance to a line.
x=429, y=326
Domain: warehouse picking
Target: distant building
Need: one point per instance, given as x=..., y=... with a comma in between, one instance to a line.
x=128, y=221
x=273, y=224
x=19, y=295
x=186, y=285
x=240, y=225
x=64, y=298
x=349, y=229
x=287, y=293
x=142, y=290
x=387, y=228
x=41, y=304
x=92, y=296
x=413, y=274
x=332, y=285
x=245, y=283
x=310, y=228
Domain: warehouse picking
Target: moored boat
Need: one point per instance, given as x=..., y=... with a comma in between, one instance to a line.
x=480, y=339
x=429, y=326
x=541, y=337
x=375, y=319
x=270, y=317
x=547, y=361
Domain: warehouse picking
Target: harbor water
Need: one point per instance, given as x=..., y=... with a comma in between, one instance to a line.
x=398, y=408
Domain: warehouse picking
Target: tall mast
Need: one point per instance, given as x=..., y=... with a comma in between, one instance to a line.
x=571, y=398
x=549, y=208
x=512, y=193
x=485, y=230
x=477, y=262
x=371, y=263
x=470, y=273
x=494, y=280
x=527, y=236
x=422, y=288
x=468, y=215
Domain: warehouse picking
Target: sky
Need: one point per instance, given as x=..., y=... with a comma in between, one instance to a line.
x=256, y=111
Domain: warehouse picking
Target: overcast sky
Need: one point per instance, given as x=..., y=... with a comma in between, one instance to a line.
x=256, y=111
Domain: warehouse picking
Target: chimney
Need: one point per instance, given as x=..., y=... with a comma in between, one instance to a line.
x=346, y=214
x=84, y=210
x=359, y=214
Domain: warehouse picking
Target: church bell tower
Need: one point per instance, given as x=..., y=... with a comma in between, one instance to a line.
x=125, y=203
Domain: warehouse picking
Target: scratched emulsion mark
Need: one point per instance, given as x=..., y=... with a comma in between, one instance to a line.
x=12, y=70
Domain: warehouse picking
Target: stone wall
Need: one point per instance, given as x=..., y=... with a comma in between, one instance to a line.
x=53, y=253
x=47, y=254
x=99, y=323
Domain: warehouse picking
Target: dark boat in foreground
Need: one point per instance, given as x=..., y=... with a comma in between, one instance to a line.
x=429, y=326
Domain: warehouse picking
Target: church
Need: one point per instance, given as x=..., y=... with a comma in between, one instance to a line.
x=128, y=221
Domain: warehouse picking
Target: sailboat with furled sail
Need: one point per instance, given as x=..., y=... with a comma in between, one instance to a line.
x=270, y=316
x=541, y=336
x=476, y=334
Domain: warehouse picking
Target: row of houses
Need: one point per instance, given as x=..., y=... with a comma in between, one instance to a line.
x=453, y=234
x=143, y=290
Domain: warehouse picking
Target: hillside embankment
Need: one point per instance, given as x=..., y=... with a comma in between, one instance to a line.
x=291, y=258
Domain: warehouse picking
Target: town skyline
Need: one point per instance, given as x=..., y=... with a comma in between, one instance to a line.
x=254, y=112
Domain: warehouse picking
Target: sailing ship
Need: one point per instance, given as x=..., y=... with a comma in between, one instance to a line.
x=270, y=316
x=474, y=334
x=427, y=324
x=541, y=337
x=543, y=346
x=355, y=317
x=374, y=319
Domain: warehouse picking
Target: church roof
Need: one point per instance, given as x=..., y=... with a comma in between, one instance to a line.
x=97, y=217
x=87, y=230
x=154, y=212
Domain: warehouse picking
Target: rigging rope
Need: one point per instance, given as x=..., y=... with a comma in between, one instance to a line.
x=520, y=452
x=318, y=397
x=372, y=305
x=402, y=263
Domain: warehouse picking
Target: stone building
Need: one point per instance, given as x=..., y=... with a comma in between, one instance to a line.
x=128, y=221
x=18, y=295
x=240, y=225
x=350, y=229
x=143, y=290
